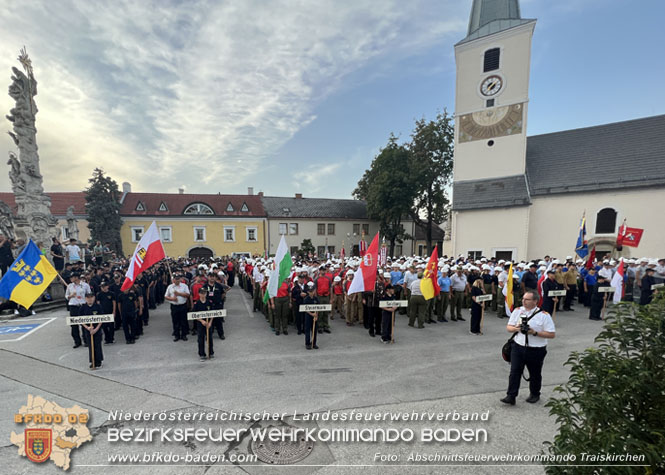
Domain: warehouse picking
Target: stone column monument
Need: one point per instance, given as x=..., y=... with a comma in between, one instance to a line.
x=33, y=208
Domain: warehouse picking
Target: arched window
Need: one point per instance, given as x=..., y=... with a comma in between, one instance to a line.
x=606, y=221
x=198, y=208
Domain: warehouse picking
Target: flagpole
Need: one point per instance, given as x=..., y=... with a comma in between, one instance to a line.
x=392, y=330
x=92, y=348
x=482, y=317
x=314, y=327
x=208, y=336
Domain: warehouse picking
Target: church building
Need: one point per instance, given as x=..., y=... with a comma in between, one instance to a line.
x=519, y=197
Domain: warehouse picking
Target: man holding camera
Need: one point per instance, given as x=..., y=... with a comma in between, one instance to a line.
x=532, y=327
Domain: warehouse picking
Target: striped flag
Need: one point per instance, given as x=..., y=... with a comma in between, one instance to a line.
x=148, y=251
x=508, y=291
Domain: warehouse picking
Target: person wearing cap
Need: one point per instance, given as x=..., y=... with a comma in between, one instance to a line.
x=530, y=278
x=570, y=277
x=128, y=303
x=75, y=295
x=311, y=330
x=590, y=280
x=107, y=303
x=550, y=284
x=215, y=290
x=476, y=307
x=648, y=280
x=337, y=297
x=460, y=288
x=353, y=302
x=323, y=286
x=298, y=294
x=387, y=314
x=94, y=335
x=374, y=316
x=178, y=294
x=598, y=298
x=257, y=280
x=203, y=325
x=281, y=306
x=417, y=304
x=443, y=299
x=500, y=298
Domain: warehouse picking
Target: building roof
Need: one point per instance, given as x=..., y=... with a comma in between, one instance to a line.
x=60, y=201
x=492, y=16
x=491, y=193
x=172, y=204
x=283, y=207
x=612, y=156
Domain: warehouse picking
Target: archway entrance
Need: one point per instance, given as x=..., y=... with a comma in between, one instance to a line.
x=200, y=253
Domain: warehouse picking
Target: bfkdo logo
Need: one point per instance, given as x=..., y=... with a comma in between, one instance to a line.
x=51, y=431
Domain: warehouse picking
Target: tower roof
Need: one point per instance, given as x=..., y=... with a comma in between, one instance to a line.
x=492, y=16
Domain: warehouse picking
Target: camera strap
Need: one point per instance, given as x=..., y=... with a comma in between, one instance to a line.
x=526, y=335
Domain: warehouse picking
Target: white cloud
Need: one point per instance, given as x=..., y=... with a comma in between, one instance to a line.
x=200, y=92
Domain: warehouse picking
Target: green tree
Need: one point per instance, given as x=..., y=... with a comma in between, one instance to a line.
x=103, y=210
x=306, y=247
x=431, y=168
x=388, y=191
x=614, y=400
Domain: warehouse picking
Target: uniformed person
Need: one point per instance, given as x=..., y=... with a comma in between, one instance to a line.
x=178, y=293
x=388, y=315
x=298, y=294
x=648, y=280
x=311, y=323
x=90, y=307
x=323, y=288
x=128, y=304
x=216, y=291
x=203, y=326
x=75, y=295
x=281, y=305
x=107, y=303
x=550, y=284
x=460, y=288
x=598, y=298
x=417, y=303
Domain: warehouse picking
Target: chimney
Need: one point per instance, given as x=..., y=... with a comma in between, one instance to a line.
x=250, y=190
x=298, y=196
x=126, y=187
x=181, y=191
x=260, y=193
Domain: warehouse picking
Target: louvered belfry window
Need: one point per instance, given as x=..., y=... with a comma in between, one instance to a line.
x=492, y=57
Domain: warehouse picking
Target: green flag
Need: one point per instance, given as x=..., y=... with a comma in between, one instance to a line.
x=282, y=270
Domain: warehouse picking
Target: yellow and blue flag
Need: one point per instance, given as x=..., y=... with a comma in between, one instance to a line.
x=28, y=277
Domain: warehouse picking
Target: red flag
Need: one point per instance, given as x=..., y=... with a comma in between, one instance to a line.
x=362, y=247
x=342, y=253
x=592, y=257
x=365, y=278
x=540, y=288
x=620, y=236
x=632, y=236
x=429, y=285
x=148, y=251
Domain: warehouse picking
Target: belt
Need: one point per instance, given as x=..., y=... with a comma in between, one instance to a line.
x=177, y=304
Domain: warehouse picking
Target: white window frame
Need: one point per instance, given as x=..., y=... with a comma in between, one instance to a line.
x=199, y=209
x=233, y=230
x=136, y=228
x=256, y=233
x=196, y=228
x=170, y=229
x=64, y=232
x=279, y=229
x=289, y=228
x=474, y=251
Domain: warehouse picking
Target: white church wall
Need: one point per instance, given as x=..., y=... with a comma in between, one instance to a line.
x=554, y=221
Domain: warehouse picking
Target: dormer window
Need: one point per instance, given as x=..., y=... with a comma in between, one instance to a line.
x=244, y=208
x=163, y=207
x=229, y=208
x=140, y=206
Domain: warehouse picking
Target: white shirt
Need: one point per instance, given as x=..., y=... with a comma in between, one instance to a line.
x=75, y=293
x=172, y=289
x=415, y=287
x=503, y=277
x=541, y=322
x=74, y=252
x=605, y=272
x=458, y=283
x=409, y=277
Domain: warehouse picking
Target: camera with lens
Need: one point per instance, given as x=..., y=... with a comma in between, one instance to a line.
x=524, y=326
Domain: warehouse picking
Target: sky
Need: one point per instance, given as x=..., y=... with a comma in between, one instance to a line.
x=293, y=96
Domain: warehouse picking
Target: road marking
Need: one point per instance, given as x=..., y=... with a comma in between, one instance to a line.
x=48, y=320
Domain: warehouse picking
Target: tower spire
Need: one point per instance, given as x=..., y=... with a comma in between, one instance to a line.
x=491, y=16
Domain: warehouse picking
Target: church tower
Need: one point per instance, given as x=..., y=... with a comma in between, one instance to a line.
x=491, y=104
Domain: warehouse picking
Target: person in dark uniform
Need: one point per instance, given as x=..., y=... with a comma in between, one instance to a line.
x=375, y=314
x=298, y=294
x=57, y=253
x=203, y=325
x=90, y=307
x=387, y=315
x=311, y=325
x=215, y=290
x=648, y=280
x=549, y=284
x=128, y=303
x=107, y=303
x=598, y=298
x=476, y=307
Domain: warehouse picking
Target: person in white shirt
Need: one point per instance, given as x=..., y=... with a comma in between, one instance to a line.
x=75, y=295
x=73, y=252
x=178, y=294
x=529, y=347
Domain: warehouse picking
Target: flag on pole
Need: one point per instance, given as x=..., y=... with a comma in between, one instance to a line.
x=429, y=284
x=540, y=288
x=342, y=253
x=629, y=236
x=282, y=270
x=592, y=258
x=581, y=247
x=384, y=254
x=508, y=291
x=28, y=277
x=148, y=251
x=617, y=282
x=365, y=278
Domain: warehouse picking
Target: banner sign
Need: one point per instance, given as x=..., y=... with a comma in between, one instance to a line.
x=556, y=293
x=606, y=290
x=316, y=308
x=484, y=298
x=88, y=319
x=208, y=314
x=393, y=303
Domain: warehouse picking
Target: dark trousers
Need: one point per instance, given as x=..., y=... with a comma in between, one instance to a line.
x=309, y=321
x=570, y=296
x=109, y=332
x=76, y=332
x=179, y=320
x=300, y=324
x=387, y=326
x=218, y=325
x=366, y=314
x=232, y=276
x=201, y=335
x=476, y=313
x=374, y=321
x=532, y=357
x=138, y=325
x=97, y=343
x=596, y=308
x=128, y=326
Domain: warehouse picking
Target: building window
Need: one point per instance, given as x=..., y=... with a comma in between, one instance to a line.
x=64, y=233
x=366, y=228
x=137, y=233
x=490, y=103
x=199, y=233
x=198, y=208
x=491, y=60
x=331, y=250
x=163, y=207
x=356, y=229
x=166, y=233
x=251, y=234
x=331, y=228
x=229, y=233
x=606, y=221
x=293, y=229
x=321, y=229
x=294, y=251
x=244, y=208
x=475, y=254
x=229, y=207
x=282, y=228
x=140, y=206
x=321, y=251
x=420, y=249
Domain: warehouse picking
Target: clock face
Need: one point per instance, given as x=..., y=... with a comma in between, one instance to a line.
x=491, y=85
x=490, y=123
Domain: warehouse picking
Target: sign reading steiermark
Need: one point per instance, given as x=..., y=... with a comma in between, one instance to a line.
x=316, y=308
